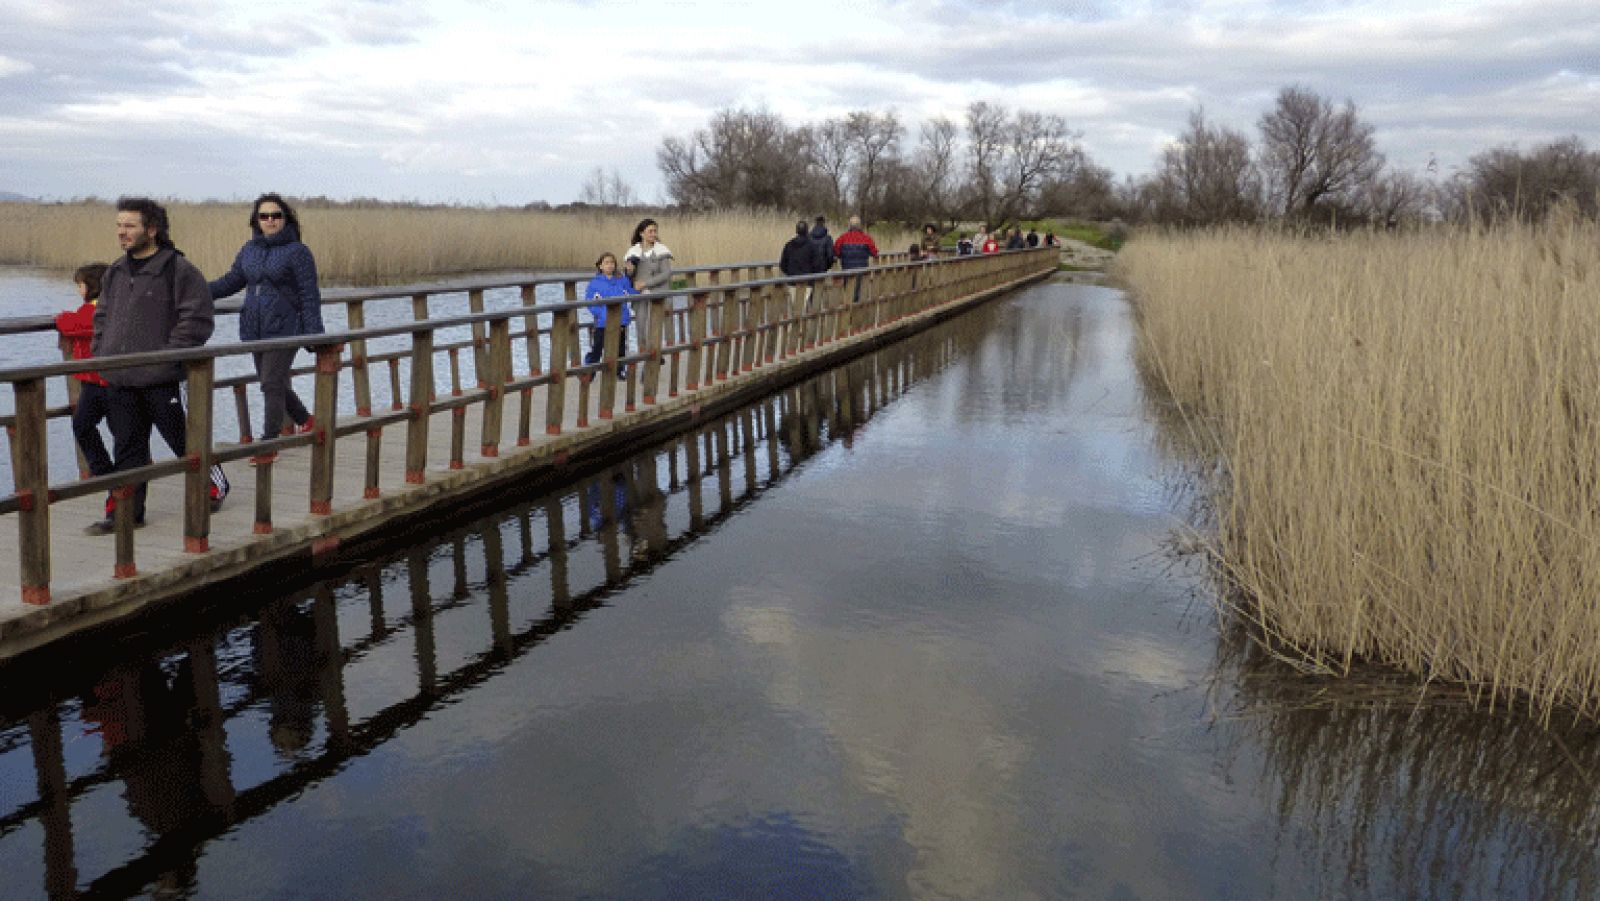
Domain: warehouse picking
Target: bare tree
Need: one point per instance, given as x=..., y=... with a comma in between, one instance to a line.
x=602, y=189
x=1393, y=197
x=832, y=155
x=1206, y=177
x=986, y=136
x=1314, y=151
x=934, y=167
x=1039, y=147
x=1505, y=181
x=744, y=158
x=875, y=141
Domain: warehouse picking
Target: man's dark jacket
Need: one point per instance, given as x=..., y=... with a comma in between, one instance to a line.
x=166, y=306
x=799, y=257
x=824, y=244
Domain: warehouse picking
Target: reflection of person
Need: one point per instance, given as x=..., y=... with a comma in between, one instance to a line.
x=279, y=278
x=607, y=282
x=286, y=664
x=152, y=299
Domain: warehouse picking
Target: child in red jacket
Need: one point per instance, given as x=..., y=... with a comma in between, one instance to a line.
x=78, y=327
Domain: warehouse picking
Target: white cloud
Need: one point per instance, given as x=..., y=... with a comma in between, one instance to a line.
x=469, y=99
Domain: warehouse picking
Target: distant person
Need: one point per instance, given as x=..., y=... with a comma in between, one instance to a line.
x=1015, y=242
x=989, y=244
x=855, y=250
x=607, y=283
x=915, y=254
x=281, y=300
x=980, y=238
x=963, y=245
x=824, y=244
x=800, y=256
x=1032, y=238
x=1050, y=240
x=930, y=240
x=152, y=299
x=649, y=264
x=77, y=326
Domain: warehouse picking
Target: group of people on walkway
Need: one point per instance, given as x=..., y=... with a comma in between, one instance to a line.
x=152, y=298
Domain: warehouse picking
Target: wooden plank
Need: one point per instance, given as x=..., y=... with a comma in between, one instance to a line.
x=197, y=444
x=31, y=472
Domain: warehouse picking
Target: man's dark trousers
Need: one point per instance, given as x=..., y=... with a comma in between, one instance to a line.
x=133, y=410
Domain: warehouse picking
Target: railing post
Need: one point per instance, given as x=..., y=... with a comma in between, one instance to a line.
x=31, y=472
x=656, y=331
x=727, y=327
x=327, y=411
x=697, y=337
x=555, y=405
x=499, y=366
x=531, y=324
x=608, y=357
x=480, y=350
x=197, y=443
x=357, y=319
x=569, y=290
x=421, y=406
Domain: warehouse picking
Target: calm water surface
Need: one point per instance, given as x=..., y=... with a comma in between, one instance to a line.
x=909, y=629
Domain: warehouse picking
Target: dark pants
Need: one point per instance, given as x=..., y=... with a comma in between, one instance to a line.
x=597, y=337
x=131, y=411
x=277, y=394
x=93, y=403
x=856, y=298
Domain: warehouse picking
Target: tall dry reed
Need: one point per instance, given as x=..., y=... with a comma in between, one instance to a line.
x=378, y=245
x=1408, y=433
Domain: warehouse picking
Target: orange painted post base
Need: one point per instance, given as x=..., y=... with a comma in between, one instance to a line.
x=196, y=545
x=36, y=595
x=371, y=494
x=489, y=450
x=321, y=508
x=124, y=571
x=262, y=528
x=415, y=477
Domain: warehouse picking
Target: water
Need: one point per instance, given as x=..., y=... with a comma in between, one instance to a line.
x=909, y=629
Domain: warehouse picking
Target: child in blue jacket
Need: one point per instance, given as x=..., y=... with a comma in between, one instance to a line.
x=606, y=283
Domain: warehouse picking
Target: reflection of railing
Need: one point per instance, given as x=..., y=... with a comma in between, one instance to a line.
x=713, y=332
x=294, y=651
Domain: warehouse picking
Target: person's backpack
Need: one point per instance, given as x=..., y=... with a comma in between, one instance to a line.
x=825, y=257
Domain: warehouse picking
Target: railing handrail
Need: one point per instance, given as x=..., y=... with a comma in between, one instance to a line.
x=22, y=325
x=236, y=348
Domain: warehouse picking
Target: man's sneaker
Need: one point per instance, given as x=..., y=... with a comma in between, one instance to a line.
x=108, y=526
x=219, y=487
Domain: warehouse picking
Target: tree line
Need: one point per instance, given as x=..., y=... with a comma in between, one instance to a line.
x=1311, y=159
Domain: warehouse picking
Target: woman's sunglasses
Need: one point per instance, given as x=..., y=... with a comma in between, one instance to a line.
x=264, y=217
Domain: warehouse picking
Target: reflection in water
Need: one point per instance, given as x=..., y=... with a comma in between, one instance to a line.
x=171, y=726
x=1398, y=794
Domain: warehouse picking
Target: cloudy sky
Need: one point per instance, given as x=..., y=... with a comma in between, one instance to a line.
x=488, y=101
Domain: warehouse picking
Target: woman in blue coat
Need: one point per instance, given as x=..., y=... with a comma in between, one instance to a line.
x=281, y=300
x=607, y=282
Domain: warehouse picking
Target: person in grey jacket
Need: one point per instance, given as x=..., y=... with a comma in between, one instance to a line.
x=649, y=263
x=281, y=300
x=151, y=298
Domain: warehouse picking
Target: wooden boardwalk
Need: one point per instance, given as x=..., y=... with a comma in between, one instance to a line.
x=84, y=588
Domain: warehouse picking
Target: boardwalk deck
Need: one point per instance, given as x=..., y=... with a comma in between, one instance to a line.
x=85, y=593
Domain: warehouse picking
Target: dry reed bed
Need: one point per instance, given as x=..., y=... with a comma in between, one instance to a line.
x=378, y=245
x=1407, y=434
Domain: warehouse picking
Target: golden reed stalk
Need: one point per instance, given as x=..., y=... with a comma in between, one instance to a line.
x=393, y=244
x=1407, y=437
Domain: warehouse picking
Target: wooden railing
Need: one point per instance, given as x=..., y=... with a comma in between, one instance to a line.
x=732, y=321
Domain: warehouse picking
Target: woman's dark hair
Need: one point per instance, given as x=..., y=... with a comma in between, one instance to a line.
x=289, y=218
x=638, y=230
x=930, y=227
x=151, y=215
x=89, y=275
x=602, y=258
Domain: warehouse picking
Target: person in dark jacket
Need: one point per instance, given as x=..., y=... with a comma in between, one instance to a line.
x=1015, y=241
x=1032, y=238
x=281, y=300
x=855, y=249
x=824, y=244
x=152, y=298
x=801, y=256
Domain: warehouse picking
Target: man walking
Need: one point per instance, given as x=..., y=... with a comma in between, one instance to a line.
x=799, y=257
x=824, y=244
x=855, y=249
x=152, y=299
